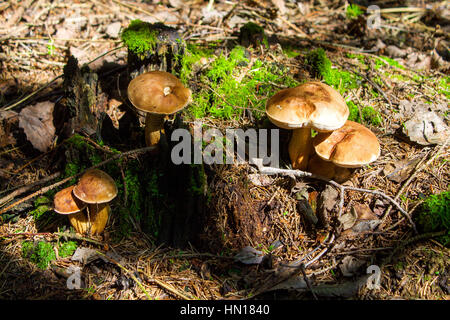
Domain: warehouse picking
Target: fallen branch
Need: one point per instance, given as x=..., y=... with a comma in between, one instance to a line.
x=69, y=235
x=28, y=187
x=302, y=174
x=126, y=271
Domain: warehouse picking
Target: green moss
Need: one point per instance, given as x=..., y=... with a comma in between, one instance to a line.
x=370, y=115
x=354, y=112
x=322, y=68
x=192, y=56
x=40, y=253
x=444, y=87
x=67, y=248
x=138, y=37
x=434, y=215
x=230, y=86
x=353, y=11
x=360, y=57
x=386, y=60
x=43, y=213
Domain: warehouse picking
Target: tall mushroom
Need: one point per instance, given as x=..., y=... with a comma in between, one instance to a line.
x=351, y=146
x=310, y=105
x=159, y=94
x=67, y=204
x=97, y=189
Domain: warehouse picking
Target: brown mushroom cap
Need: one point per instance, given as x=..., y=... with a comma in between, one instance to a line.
x=95, y=186
x=350, y=146
x=66, y=203
x=312, y=104
x=158, y=92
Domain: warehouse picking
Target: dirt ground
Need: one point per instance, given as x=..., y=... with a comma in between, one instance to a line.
x=255, y=243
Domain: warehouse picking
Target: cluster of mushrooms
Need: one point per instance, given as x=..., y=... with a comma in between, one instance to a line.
x=86, y=204
x=340, y=143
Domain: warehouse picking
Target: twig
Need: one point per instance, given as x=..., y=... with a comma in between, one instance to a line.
x=69, y=235
x=53, y=186
x=128, y=272
x=308, y=283
x=419, y=167
x=342, y=188
x=419, y=237
x=28, y=187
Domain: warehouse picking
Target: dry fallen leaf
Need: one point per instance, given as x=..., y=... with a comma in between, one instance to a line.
x=426, y=128
x=348, y=219
x=350, y=266
x=399, y=171
x=37, y=122
x=365, y=220
x=249, y=255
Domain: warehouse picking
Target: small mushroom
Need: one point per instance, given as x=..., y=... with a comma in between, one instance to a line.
x=97, y=189
x=66, y=203
x=310, y=105
x=159, y=94
x=351, y=146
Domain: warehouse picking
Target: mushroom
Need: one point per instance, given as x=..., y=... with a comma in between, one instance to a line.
x=97, y=189
x=327, y=169
x=310, y=105
x=159, y=94
x=351, y=146
x=66, y=203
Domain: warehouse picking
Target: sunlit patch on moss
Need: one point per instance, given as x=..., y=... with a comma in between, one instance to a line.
x=138, y=37
x=353, y=11
x=42, y=253
x=444, y=87
x=234, y=82
x=368, y=114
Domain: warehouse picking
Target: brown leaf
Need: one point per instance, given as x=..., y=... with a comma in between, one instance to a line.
x=37, y=122
x=350, y=266
x=400, y=170
x=426, y=128
x=365, y=220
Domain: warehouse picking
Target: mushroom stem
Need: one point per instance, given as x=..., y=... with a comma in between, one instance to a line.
x=154, y=125
x=300, y=147
x=98, y=217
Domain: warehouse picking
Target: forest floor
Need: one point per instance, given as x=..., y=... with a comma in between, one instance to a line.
x=390, y=76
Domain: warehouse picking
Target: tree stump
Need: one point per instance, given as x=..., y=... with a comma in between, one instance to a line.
x=152, y=47
x=84, y=104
